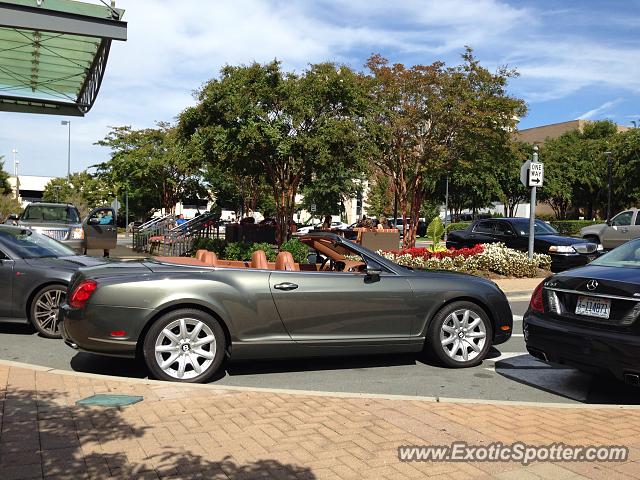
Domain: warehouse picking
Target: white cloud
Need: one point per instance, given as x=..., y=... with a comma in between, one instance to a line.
x=599, y=111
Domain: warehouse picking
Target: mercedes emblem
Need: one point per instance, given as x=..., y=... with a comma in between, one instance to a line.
x=592, y=285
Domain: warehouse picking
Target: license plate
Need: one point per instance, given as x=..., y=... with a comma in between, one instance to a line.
x=593, y=307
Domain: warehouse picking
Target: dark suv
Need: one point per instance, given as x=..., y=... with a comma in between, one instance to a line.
x=62, y=222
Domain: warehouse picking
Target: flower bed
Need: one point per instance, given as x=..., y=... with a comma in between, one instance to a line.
x=494, y=258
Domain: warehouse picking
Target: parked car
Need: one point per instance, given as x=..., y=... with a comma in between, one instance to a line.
x=61, y=221
x=588, y=317
x=34, y=273
x=184, y=320
x=565, y=252
x=620, y=229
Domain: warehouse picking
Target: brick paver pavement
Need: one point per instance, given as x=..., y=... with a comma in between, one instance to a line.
x=217, y=433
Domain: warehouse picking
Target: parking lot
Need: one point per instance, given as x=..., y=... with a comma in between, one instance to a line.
x=509, y=374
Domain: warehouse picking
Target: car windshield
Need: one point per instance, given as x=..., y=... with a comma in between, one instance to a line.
x=540, y=228
x=50, y=213
x=626, y=255
x=30, y=244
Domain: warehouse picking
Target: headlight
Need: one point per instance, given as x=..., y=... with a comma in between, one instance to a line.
x=562, y=249
x=77, y=233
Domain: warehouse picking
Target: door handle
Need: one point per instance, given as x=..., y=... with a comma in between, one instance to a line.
x=286, y=286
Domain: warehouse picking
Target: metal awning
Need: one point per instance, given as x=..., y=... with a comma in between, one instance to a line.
x=53, y=54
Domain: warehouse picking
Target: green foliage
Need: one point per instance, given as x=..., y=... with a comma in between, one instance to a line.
x=242, y=251
x=152, y=166
x=571, y=228
x=292, y=128
x=5, y=188
x=216, y=245
x=8, y=205
x=435, y=230
x=457, y=226
x=299, y=250
x=83, y=190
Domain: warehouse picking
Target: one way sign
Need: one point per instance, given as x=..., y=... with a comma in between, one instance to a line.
x=536, y=174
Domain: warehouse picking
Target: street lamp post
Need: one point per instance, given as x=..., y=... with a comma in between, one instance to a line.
x=68, y=123
x=16, y=163
x=608, y=156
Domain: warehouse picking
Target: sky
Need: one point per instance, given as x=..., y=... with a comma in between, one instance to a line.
x=575, y=59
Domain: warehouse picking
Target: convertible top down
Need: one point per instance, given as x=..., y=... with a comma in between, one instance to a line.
x=182, y=319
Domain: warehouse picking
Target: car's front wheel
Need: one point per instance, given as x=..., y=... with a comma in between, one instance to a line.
x=460, y=335
x=43, y=311
x=184, y=346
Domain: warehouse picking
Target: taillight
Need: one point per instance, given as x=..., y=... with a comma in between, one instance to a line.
x=537, y=302
x=82, y=293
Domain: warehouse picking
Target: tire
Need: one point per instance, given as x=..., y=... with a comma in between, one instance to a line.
x=43, y=311
x=172, y=332
x=451, y=345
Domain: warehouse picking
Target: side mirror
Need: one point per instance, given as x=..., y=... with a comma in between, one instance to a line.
x=13, y=216
x=608, y=222
x=93, y=221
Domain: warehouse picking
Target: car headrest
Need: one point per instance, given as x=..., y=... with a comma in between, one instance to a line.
x=259, y=260
x=200, y=254
x=210, y=259
x=284, y=261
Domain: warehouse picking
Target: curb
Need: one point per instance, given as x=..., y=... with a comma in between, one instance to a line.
x=315, y=393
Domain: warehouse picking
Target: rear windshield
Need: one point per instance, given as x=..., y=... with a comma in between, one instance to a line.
x=29, y=244
x=626, y=255
x=50, y=213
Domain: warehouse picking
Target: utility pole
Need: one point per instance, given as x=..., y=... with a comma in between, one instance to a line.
x=68, y=123
x=16, y=163
x=608, y=157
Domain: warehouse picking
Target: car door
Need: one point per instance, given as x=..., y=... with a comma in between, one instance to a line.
x=336, y=306
x=6, y=285
x=506, y=234
x=618, y=232
x=634, y=228
x=100, y=231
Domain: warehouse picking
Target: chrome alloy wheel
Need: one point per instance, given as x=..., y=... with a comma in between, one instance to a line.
x=463, y=335
x=185, y=348
x=45, y=310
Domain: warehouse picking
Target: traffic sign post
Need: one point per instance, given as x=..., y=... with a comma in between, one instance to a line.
x=534, y=179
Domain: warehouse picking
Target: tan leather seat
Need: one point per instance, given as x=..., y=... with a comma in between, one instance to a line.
x=284, y=261
x=259, y=260
x=210, y=259
x=200, y=254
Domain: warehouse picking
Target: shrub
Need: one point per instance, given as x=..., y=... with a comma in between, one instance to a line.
x=491, y=257
x=457, y=226
x=216, y=245
x=299, y=250
x=268, y=250
x=571, y=228
x=237, y=251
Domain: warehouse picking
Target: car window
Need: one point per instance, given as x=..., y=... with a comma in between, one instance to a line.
x=483, y=227
x=50, y=213
x=102, y=217
x=29, y=244
x=503, y=228
x=626, y=255
x=540, y=228
x=638, y=217
x=622, y=219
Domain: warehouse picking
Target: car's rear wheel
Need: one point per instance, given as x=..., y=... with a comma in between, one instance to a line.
x=43, y=311
x=460, y=335
x=184, y=346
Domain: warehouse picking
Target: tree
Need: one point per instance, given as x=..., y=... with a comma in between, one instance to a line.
x=5, y=187
x=149, y=164
x=291, y=128
x=435, y=119
x=8, y=204
x=380, y=200
x=510, y=190
x=84, y=190
x=626, y=159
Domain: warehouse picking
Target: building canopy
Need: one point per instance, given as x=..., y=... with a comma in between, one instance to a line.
x=53, y=54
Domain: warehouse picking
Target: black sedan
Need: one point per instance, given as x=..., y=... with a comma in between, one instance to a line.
x=34, y=273
x=588, y=317
x=565, y=252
